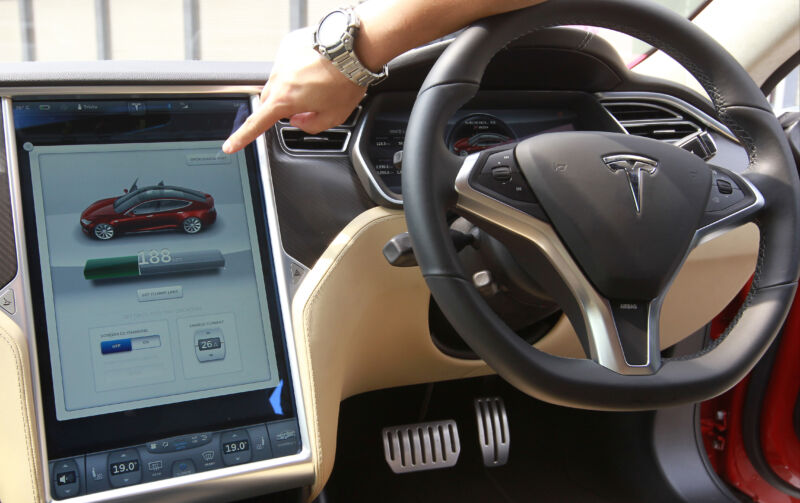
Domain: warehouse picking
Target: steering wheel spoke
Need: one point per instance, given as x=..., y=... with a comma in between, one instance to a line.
x=494, y=175
x=621, y=336
x=733, y=200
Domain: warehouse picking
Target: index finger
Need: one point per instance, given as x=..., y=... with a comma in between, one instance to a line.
x=258, y=122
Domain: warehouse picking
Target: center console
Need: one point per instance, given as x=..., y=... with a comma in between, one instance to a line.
x=152, y=284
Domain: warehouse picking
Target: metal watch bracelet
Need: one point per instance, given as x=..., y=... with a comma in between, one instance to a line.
x=342, y=54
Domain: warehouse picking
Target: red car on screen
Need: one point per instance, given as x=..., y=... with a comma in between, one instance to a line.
x=153, y=208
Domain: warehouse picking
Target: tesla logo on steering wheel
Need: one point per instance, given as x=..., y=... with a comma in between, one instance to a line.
x=634, y=166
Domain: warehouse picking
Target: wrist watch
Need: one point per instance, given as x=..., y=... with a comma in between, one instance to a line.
x=334, y=39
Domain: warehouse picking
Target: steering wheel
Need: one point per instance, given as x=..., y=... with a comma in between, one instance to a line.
x=604, y=220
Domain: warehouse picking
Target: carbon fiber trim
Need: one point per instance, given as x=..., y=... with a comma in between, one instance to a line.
x=8, y=254
x=316, y=197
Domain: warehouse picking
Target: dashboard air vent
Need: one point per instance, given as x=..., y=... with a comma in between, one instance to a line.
x=297, y=140
x=668, y=131
x=652, y=120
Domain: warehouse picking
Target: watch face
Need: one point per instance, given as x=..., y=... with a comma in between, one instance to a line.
x=332, y=28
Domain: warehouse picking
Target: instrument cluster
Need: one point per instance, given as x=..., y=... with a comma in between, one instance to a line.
x=488, y=121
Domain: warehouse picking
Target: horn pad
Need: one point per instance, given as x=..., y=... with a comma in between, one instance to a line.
x=626, y=207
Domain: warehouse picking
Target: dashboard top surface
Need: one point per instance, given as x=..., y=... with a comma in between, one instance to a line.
x=133, y=72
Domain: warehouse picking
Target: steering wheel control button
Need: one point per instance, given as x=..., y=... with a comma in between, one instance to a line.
x=97, y=473
x=235, y=446
x=259, y=442
x=724, y=187
x=183, y=467
x=725, y=193
x=504, y=158
x=501, y=176
x=493, y=433
x=67, y=480
x=284, y=437
x=421, y=446
x=124, y=468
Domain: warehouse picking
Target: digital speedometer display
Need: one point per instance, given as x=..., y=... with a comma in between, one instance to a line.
x=387, y=139
x=478, y=132
x=478, y=127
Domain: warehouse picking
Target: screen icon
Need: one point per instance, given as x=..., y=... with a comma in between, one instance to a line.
x=136, y=108
x=66, y=478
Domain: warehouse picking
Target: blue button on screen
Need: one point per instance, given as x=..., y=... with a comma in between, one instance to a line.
x=117, y=346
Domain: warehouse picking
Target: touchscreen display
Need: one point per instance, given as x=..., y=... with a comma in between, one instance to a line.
x=153, y=285
x=151, y=275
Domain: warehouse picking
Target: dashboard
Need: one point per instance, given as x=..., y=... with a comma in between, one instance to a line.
x=190, y=321
x=489, y=120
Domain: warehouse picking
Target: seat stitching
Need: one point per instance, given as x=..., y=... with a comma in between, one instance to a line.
x=308, y=317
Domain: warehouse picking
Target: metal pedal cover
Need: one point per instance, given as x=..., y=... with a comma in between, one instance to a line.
x=493, y=433
x=422, y=446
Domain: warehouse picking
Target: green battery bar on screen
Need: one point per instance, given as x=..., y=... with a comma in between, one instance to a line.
x=130, y=266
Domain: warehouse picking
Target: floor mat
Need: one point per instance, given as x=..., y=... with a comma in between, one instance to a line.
x=557, y=454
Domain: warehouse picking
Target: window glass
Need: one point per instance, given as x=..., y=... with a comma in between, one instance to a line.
x=217, y=30
x=786, y=95
x=147, y=208
x=173, y=204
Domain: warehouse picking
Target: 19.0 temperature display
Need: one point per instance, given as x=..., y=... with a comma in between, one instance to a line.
x=124, y=467
x=235, y=446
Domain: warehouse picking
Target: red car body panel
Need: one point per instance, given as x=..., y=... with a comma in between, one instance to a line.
x=101, y=208
x=721, y=417
x=129, y=221
x=778, y=436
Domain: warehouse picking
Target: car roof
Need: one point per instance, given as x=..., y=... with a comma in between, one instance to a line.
x=137, y=196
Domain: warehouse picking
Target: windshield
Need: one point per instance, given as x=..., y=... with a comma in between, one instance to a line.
x=217, y=30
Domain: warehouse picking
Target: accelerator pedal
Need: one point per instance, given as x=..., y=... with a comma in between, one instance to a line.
x=493, y=433
x=421, y=446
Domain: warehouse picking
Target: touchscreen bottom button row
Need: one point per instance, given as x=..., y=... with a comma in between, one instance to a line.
x=97, y=473
x=124, y=468
x=235, y=447
x=183, y=467
x=66, y=478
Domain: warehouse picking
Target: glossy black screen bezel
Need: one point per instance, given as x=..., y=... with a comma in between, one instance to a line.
x=134, y=427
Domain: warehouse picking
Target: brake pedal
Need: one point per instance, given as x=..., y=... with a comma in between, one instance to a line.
x=422, y=446
x=493, y=432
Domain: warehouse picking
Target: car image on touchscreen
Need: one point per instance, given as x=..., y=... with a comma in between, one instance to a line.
x=152, y=208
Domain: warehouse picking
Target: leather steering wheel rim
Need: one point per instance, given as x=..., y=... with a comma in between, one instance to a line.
x=430, y=170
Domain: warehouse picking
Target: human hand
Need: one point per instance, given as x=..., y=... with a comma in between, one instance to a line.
x=303, y=86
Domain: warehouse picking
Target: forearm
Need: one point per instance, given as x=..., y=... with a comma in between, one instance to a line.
x=307, y=88
x=392, y=27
